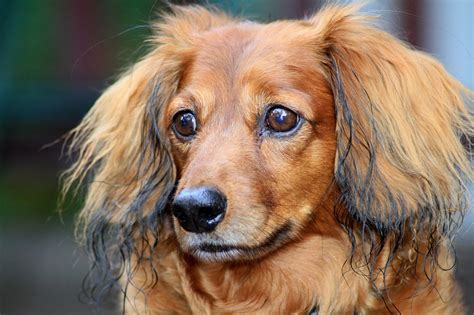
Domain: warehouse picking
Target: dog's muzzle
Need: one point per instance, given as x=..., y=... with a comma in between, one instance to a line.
x=199, y=209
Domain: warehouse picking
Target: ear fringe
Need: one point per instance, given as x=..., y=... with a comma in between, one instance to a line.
x=396, y=100
x=132, y=176
x=401, y=164
x=108, y=135
x=129, y=180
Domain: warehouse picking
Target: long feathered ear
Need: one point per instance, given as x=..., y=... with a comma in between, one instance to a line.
x=401, y=165
x=113, y=146
x=123, y=156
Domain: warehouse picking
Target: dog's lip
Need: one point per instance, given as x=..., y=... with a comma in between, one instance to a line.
x=277, y=236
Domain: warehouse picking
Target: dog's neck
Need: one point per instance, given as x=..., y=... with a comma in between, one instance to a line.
x=310, y=271
x=293, y=279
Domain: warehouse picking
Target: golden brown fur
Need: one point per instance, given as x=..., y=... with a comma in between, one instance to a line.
x=352, y=214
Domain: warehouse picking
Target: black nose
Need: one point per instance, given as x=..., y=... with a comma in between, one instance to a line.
x=199, y=209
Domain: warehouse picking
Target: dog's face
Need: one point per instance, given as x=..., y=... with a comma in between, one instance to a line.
x=264, y=130
x=253, y=123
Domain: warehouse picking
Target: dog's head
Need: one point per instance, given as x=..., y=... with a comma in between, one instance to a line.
x=251, y=132
x=245, y=133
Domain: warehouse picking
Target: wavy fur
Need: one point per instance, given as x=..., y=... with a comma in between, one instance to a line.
x=396, y=194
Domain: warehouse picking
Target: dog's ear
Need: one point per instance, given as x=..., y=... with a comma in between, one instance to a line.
x=112, y=148
x=401, y=164
x=121, y=147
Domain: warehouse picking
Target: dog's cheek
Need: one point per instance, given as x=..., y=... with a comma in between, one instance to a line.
x=300, y=178
x=180, y=156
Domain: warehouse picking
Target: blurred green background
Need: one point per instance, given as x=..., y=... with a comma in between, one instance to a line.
x=56, y=56
x=55, y=59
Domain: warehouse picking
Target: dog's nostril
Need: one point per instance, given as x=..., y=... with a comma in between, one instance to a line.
x=199, y=209
x=179, y=212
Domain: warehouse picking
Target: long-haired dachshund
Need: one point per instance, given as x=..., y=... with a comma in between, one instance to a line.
x=315, y=165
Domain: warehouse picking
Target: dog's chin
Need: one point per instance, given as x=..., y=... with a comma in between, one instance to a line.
x=210, y=252
x=218, y=250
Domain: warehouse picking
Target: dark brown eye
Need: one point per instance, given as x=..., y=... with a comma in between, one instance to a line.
x=184, y=124
x=281, y=119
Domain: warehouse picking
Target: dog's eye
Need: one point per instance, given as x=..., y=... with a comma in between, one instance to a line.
x=184, y=124
x=281, y=119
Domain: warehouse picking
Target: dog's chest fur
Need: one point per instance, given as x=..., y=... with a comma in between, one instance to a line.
x=292, y=280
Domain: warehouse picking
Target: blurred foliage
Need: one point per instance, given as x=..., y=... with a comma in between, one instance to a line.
x=43, y=39
x=55, y=57
x=26, y=200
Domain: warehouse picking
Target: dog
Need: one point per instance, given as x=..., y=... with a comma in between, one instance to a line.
x=315, y=165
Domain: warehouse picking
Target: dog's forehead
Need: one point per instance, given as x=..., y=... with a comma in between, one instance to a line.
x=252, y=59
x=234, y=49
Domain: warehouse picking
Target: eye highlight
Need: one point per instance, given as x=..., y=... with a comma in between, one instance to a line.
x=184, y=124
x=280, y=119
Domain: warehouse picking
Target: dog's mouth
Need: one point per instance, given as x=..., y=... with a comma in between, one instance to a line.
x=224, y=252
